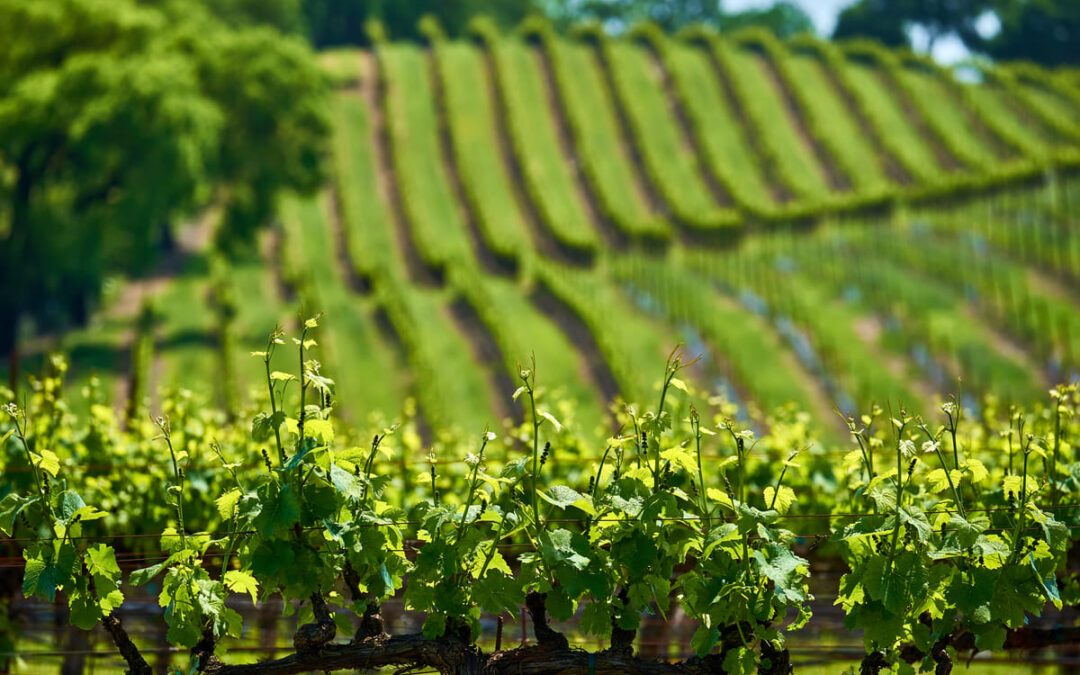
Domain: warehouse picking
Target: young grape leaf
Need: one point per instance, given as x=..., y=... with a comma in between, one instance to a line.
x=321, y=429
x=242, y=582
x=740, y=661
x=48, y=461
x=496, y=592
x=103, y=561
x=10, y=508
x=704, y=640
x=263, y=426
x=785, y=497
x=564, y=497
x=226, y=503
x=280, y=510
x=346, y=483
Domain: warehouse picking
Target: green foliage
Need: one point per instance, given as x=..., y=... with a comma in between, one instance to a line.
x=468, y=107
x=121, y=95
x=534, y=136
x=592, y=116
x=650, y=523
x=671, y=161
x=787, y=153
x=832, y=126
x=433, y=214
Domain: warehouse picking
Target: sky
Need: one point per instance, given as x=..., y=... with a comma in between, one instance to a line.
x=947, y=50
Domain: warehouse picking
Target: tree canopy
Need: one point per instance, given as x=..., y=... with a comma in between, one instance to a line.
x=1043, y=31
x=116, y=117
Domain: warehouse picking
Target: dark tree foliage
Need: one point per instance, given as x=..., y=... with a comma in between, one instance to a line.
x=341, y=22
x=1043, y=31
x=868, y=18
x=888, y=20
x=116, y=118
x=783, y=18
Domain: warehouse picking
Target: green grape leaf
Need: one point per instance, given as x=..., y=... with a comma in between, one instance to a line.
x=551, y=418
x=637, y=551
x=750, y=518
x=785, y=497
x=740, y=661
x=564, y=497
x=497, y=592
x=596, y=619
x=141, y=576
x=883, y=495
x=939, y=480
x=562, y=547
x=498, y=562
x=47, y=460
x=704, y=640
x=280, y=509
x=785, y=569
x=434, y=626
x=242, y=582
x=226, y=503
x=43, y=576
x=68, y=504
x=10, y=508
x=1049, y=584
x=346, y=483
x=89, y=513
x=210, y=599
x=321, y=429
x=719, y=496
x=320, y=383
x=103, y=561
x=263, y=426
x=990, y=637
x=85, y=613
x=680, y=458
x=559, y=604
x=916, y=518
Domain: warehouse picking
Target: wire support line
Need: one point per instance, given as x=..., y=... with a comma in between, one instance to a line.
x=686, y=518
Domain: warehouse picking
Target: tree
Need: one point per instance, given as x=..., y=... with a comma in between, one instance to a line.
x=338, y=22
x=890, y=20
x=783, y=19
x=1042, y=31
x=117, y=117
x=867, y=19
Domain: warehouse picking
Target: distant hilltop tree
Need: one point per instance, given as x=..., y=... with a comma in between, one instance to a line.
x=117, y=117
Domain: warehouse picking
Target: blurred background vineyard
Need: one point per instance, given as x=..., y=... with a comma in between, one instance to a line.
x=877, y=202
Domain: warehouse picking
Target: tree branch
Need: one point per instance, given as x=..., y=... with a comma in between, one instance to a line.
x=136, y=663
x=371, y=623
x=446, y=656
x=622, y=640
x=457, y=658
x=549, y=638
x=312, y=636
